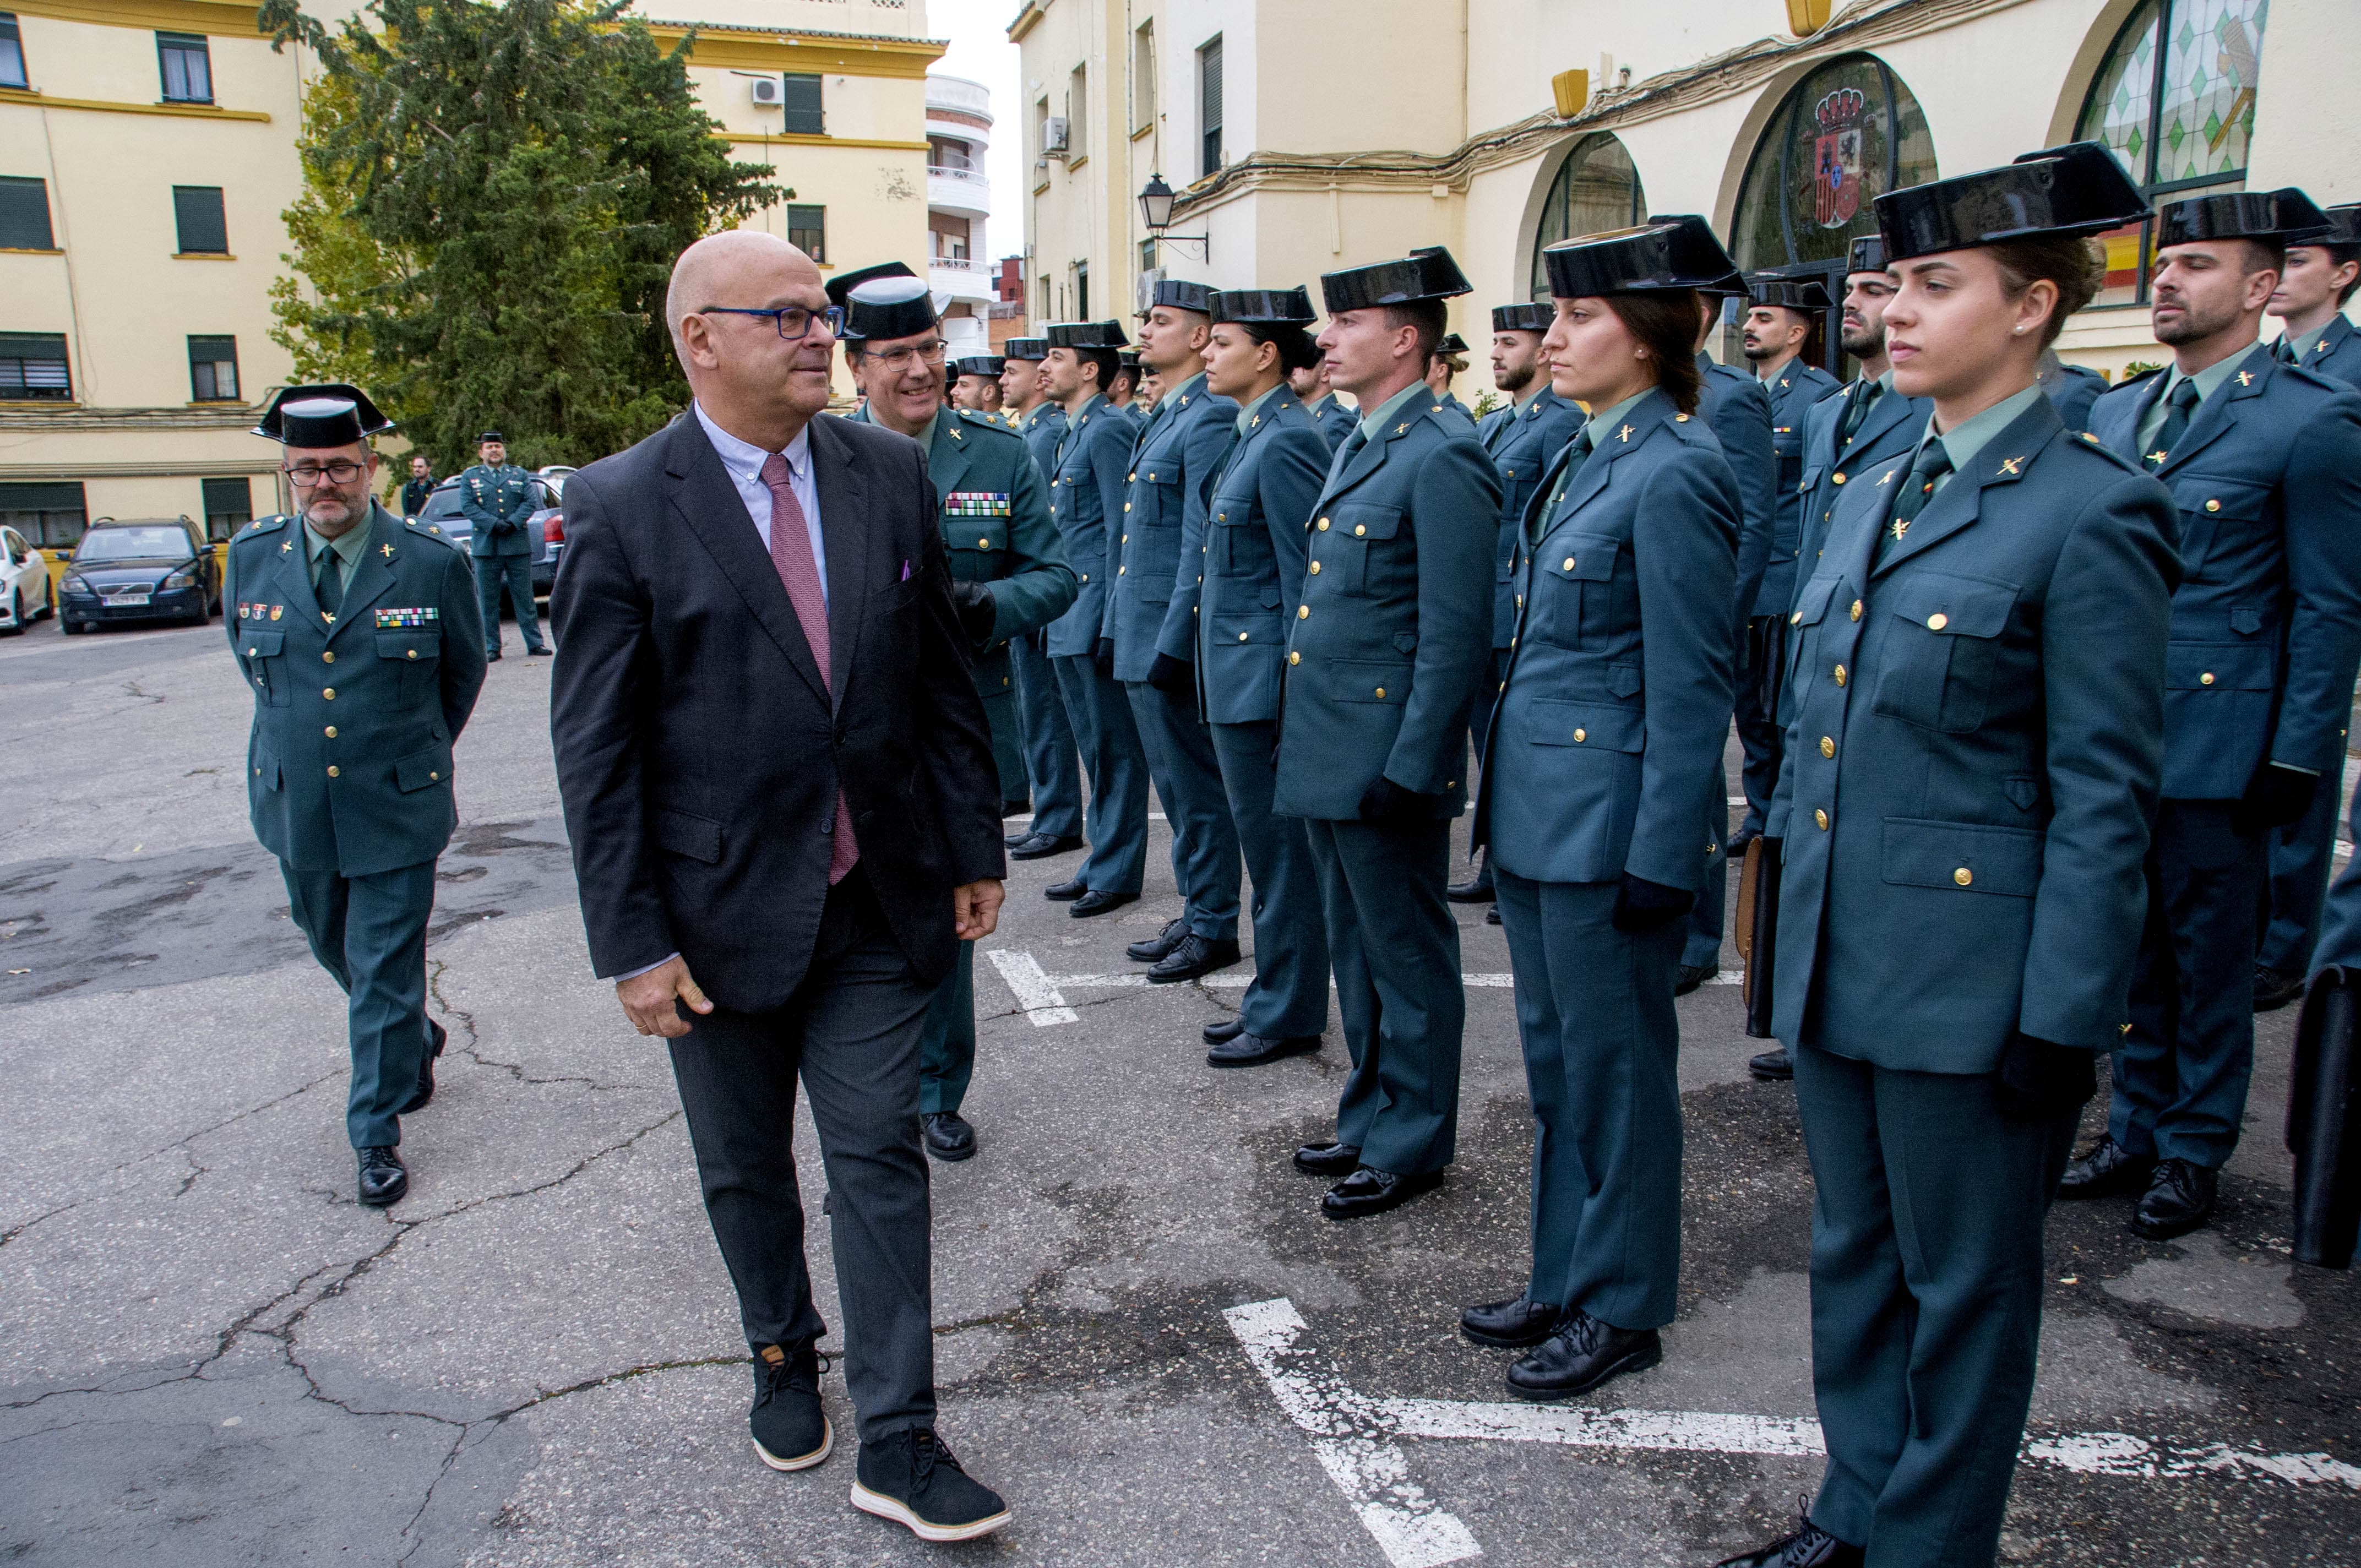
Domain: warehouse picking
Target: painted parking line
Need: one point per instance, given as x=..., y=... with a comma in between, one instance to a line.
x=1354, y=1437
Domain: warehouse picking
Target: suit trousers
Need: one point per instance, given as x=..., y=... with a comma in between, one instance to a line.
x=1395, y=949
x=1115, y=818
x=1049, y=756
x=1602, y=1052
x=947, y=1038
x=369, y=934
x=2181, y=1072
x=515, y=574
x=1288, y=997
x=2300, y=860
x=1930, y=1191
x=851, y=1031
x=1760, y=732
x=1188, y=779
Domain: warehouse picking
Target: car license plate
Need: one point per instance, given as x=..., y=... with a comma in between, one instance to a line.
x=123, y=599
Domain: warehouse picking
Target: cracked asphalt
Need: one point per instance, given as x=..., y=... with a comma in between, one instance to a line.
x=209, y=1353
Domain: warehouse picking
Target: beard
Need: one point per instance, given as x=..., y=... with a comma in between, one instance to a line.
x=2195, y=322
x=1513, y=381
x=1864, y=343
x=1760, y=351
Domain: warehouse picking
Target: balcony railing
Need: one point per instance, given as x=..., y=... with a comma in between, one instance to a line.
x=959, y=264
x=945, y=172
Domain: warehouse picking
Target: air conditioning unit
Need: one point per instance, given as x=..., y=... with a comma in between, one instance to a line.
x=770, y=93
x=1144, y=289
x=1053, y=137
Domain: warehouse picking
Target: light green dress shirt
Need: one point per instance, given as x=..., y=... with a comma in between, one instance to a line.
x=347, y=545
x=1374, y=423
x=2207, y=380
x=1247, y=412
x=1975, y=433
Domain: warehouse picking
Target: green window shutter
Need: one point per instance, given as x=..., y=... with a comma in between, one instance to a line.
x=24, y=216
x=204, y=229
x=803, y=105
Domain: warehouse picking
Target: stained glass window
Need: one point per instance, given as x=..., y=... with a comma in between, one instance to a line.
x=1848, y=132
x=1596, y=189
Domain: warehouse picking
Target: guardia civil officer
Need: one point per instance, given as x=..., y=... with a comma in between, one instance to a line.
x=1051, y=763
x=417, y=486
x=1605, y=753
x=1384, y=652
x=1249, y=551
x=1976, y=679
x=359, y=634
x=1867, y=423
x=1009, y=577
x=1151, y=627
x=1311, y=387
x=497, y=497
x=1523, y=434
x=1086, y=495
x=2322, y=272
x=2264, y=462
x=1123, y=394
x=1448, y=361
x=977, y=391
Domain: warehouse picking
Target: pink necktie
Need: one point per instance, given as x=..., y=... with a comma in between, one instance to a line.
x=791, y=554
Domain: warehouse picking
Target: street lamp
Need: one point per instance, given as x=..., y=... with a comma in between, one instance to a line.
x=1155, y=213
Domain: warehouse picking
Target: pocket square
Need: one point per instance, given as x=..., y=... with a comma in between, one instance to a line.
x=905, y=571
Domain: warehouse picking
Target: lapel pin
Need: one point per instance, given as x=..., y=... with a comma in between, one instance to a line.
x=285, y=545
x=386, y=551
x=2245, y=378
x=276, y=610
x=2011, y=465
x=1401, y=429
x=1888, y=474
x=1624, y=434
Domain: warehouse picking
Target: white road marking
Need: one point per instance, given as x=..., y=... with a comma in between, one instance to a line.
x=1352, y=1436
x=1040, y=1000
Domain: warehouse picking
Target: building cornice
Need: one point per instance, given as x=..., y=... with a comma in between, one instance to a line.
x=225, y=19
x=801, y=50
x=39, y=100
x=210, y=416
x=1026, y=20
x=798, y=139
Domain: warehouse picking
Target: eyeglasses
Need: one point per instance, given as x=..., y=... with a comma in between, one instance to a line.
x=309, y=474
x=794, y=322
x=897, y=360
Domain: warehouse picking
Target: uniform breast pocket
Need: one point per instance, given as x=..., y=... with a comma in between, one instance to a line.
x=2217, y=513
x=977, y=546
x=1573, y=586
x=1936, y=665
x=264, y=656
x=1803, y=630
x=417, y=656
x=1238, y=543
x=1365, y=544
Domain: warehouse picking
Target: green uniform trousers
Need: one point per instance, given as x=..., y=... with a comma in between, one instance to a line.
x=369, y=934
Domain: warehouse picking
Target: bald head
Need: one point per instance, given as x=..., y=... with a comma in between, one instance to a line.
x=736, y=267
x=757, y=385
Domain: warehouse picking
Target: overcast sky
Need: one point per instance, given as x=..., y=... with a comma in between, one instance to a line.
x=978, y=32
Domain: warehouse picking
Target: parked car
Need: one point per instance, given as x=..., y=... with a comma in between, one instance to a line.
x=139, y=569
x=24, y=592
x=546, y=528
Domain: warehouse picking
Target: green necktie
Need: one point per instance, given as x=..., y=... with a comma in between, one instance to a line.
x=1579, y=450
x=1864, y=393
x=2286, y=350
x=330, y=588
x=2182, y=404
x=1934, y=461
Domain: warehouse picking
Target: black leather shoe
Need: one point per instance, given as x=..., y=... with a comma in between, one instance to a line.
x=384, y=1179
x=1476, y=889
x=1017, y=808
x=911, y=1478
x=2103, y=1170
x=1042, y=846
x=1243, y=1049
x=1492, y=915
x=1151, y=949
x=1194, y=954
x=2274, y=989
x=1065, y=892
x=1808, y=1547
x=1581, y=1354
x=1735, y=850
x=1369, y=1191
x=1691, y=976
x=1097, y=902
x=543, y=651
x=1511, y=1325
x=791, y=1429
x=947, y=1135
x=1227, y=1029
x=425, y=1090
x=1774, y=1066
x=1328, y=1159
x=2180, y=1198
x=491, y=658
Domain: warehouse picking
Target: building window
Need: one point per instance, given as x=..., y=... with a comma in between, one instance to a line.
x=800, y=94
x=204, y=231
x=1209, y=106
x=1849, y=132
x=808, y=231
x=1143, y=78
x=188, y=69
x=2175, y=100
x=33, y=365
x=12, y=53
x=24, y=216
x=1081, y=291
x=51, y=517
x=229, y=506
x=213, y=369
x=1078, y=109
x=948, y=152
x=950, y=235
x=1596, y=189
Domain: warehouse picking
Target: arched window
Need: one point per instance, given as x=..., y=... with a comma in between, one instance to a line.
x=1849, y=132
x=2175, y=98
x=1596, y=189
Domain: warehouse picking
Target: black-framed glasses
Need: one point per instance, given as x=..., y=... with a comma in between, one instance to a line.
x=311, y=473
x=897, y=360
x=794, y=322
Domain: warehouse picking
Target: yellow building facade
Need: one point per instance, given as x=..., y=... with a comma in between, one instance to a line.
x=147, y=150
x=1305, y=138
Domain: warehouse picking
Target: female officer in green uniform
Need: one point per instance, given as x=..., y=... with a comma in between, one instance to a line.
x=1604, y=756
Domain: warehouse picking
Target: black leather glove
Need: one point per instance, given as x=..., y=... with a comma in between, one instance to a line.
x=2045, y=1079
x=1644, y=906
x=2274, y=797
x=977, y=610
x=1174, y=677
x=1104, y=657
x=1388, y=805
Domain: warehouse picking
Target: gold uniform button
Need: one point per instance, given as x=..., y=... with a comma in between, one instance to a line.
x=1569, y=563
x=1120, y=570
x=1303, y=612
x=1315, y=568
x=332, y=770
x=983, y=544
x=1963, y=876
x=2206, y=679
x=1828, y=745
x=1242, y=636
x=1797, y=619
x=434, y=778
x=1382, y=691
x=1125, y=540
x=1840, y=674
x=1856, y=609
x=1580, y=736
x=1822, y=819
x=1130, y=477
x=1226, y=517
x=2212, y=506
x=329, y=692
x=1358, y=530
x=1126, y=506
x=1295, y=658
x=1936, y=621
x=1086, y=576
x=332, y=731
x=1840, y=478
x=329, y=658
x=413, y=654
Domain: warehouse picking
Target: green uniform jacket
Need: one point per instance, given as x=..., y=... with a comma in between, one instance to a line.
x=349, y=763
x=495, y=498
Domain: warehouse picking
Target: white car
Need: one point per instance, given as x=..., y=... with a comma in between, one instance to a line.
x=25, y=591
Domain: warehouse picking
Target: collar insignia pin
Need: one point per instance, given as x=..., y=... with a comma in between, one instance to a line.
x=2246, y=378
x=1401, y=429
x=2157, y=455
x=1886, y=476
x=386, y=551
x=1624, y=434
x=286, y=545
x=2009, y=465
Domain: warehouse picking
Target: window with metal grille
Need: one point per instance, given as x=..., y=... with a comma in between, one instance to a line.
x=188, y=69
x=229, y=506
x=33, y=365
x=24, y=216
x=808, y=231
x=213, y=369
x=49, y=516
x=12, y=52
x=801, y=97
x=1209, y=106
x=204, y=230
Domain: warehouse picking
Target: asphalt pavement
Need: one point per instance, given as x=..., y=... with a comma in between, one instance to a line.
x=1147, y=1335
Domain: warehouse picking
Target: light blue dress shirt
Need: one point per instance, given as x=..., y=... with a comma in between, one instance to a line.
x=742, y=461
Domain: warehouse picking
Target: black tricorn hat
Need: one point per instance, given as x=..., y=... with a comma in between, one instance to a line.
x=1534, y=315
x=1794, y=293
x=840, y=288
x=491, y=435
x=2343, y=228
x=2076, y=188
x=1127, y=357
x=1263, y=307
x=1660, y=256
x=330, y=414
x=1867, y=255
x=1086, y=334
x=888, y=307
x=987, y=365
x=2238, y=214
x=1452, y=343
x=1025, y=348
x=1181, y=294
x=1426, y=273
